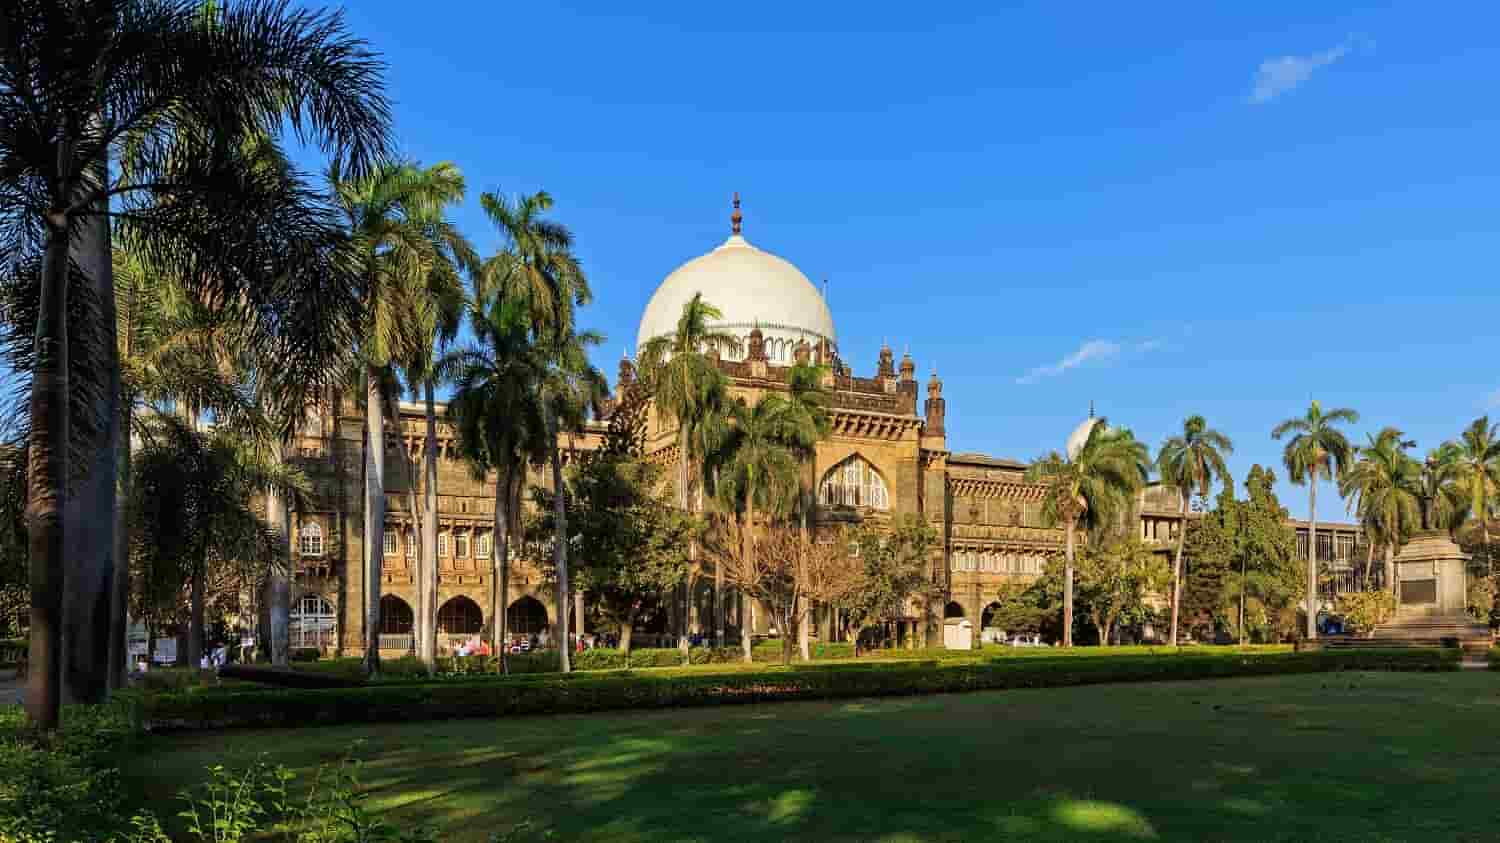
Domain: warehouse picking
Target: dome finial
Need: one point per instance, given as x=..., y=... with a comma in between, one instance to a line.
x=736, y=217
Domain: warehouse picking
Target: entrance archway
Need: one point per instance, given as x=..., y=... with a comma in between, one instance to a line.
x=526, y=616
x=987, y=619
x=460, y=616
x=395, y=616
x=953, y=610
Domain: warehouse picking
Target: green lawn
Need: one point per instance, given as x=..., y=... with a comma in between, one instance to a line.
x=1368, y=756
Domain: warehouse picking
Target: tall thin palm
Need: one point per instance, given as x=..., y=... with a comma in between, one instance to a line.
x=569, y=390
x=536, y=264
x=139, y=89
x=1381, y=488
x=1092, y=488
x=1478, y=454
x=498, y=421
x=1191, y=462
x=809, y=422
x=759, y=468
x=1317, y=451
x=687, y=387
x=399, y=241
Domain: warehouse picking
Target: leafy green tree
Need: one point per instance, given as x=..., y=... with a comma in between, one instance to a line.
x=1191, y=462
x=808, y=423
x=1316, y=451
x=1209, y=557
x=632, y=545
x=1114, y=581
x=898, y=562
x=399, y=242
x=1381, y=488
x=1092, y=488
x=688, y=388
x=1247, y=577
x=111, y=110
x=1478, y=454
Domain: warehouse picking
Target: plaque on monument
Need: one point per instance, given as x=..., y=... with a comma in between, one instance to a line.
x=1418, y=592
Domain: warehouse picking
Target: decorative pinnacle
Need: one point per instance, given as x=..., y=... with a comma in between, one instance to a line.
x=1091, y=408
x=736, y=217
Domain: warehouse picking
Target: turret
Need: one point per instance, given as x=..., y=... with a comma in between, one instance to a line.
x=936, y=409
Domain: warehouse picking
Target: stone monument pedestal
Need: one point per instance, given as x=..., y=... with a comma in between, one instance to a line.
x=1432, y=594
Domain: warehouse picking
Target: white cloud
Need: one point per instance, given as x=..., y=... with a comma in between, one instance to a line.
x=1091, y=350
x=1279, y=75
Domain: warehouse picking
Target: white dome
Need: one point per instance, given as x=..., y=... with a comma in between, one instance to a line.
x=750, y=288
x=1080, y=436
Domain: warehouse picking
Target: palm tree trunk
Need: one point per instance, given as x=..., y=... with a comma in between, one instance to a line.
x=88, y=585
x=1312, y=557
x=749, y=536
x=279, y=587
x=1072, y=525
x=686, y=500
x=119, y=609
x=47, y=482
x=500, y=582
x=560, y=547
x=195, y=614
x=578, y=609
x=374, y=516
x=1390, y=567
x=1177, y=568
x=429, y=554
x=1369, y=563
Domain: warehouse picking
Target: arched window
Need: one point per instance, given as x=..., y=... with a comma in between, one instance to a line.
x=482, y=546
x=395, y=616
x=310, y=541
x=312, y=623
x=854, y=482
x=460, y=616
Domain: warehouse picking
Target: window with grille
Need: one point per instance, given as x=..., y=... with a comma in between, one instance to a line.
x=461, y=545
x=854, y=482
x=443, y=544
x=312, y=622
x=310, y=542
x=411, y=545
x=482, y=546
x=390, y=542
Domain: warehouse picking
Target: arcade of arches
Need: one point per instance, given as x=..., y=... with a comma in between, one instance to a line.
x=887, y=456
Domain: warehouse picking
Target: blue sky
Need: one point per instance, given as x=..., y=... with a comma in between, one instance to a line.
x=1202, y=210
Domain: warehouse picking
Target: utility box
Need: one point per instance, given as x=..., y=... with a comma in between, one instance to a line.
x=958, y=634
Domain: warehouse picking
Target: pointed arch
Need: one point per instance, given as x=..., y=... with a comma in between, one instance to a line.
x=460, y=616
x=395, y=616
x=854, y=481
x=526, y=616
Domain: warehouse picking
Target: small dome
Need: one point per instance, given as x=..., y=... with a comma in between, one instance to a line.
x=750, y=288
x=1080, y=436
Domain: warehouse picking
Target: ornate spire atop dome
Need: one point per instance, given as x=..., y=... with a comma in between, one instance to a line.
x=736, y=217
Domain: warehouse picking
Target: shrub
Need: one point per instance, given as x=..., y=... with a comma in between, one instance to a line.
x=305, y=654
x=61, y=786
x=584, y=692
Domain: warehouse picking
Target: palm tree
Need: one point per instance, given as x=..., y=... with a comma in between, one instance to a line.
x=536, y=264
x=687, y=387
x=399, y=242
x=1381, y=487
x=1092, y=489
x=498, y=421
x=756, y=467
x=1191, y=462
x=1478, y=454
x=1444, y=501
x=809, y=423
x=1316, y=451
x=89, y=85
x=569, y=389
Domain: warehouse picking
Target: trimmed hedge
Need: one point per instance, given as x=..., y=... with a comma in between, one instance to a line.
x=583, y=692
